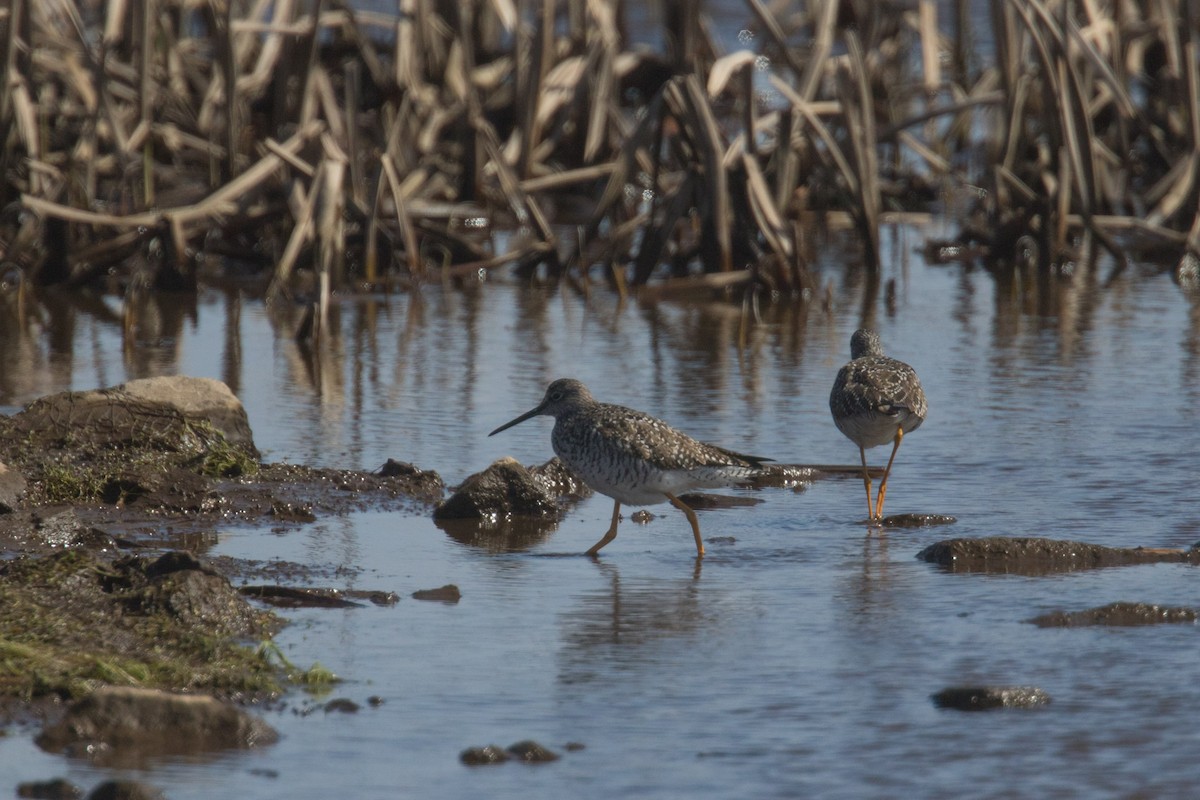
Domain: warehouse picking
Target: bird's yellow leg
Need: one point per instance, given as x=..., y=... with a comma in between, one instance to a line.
x=866, y=482
x=612, y=530
x=691, y=515
x=887, y=471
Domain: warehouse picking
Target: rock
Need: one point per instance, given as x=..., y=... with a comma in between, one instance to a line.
x=152, y=722
x=195, y=597
x=197, y=399
x=292, y=512
x=558, y=480
x=12, y=488
x=57, y=789
x=125, y=790
x=986, y=698
x=341, y=705
x=504, y=488
x=1037, y=556
x=531, y=752
x=150, y=408
x=299, y=596
x=1117, y=615
x=445, y=594
x=62, y=529
x=482, y=756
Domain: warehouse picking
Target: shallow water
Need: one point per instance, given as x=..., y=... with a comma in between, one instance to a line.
x=798, y=658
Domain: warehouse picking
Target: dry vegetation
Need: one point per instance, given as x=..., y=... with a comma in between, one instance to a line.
x=321, y=146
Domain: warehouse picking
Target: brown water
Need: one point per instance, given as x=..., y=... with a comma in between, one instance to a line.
x=799, y=657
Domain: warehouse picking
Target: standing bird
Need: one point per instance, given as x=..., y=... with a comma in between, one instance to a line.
x=632, y=457
x=876, y=400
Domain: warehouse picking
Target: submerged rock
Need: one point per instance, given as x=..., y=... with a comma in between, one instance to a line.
x=135, y=723
x=1037, y=556
x=483, y=756
x=56, y=789
x=1117, y=615
x=986, y=698
x=504, y=488
x=445, y=594
x=125, y=790
x=917, y=520
x=531, y=752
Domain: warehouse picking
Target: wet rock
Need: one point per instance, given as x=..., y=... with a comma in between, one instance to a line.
x=446, y=594
x=917, y=520
x=375, y=701
x=559, y=481
x=504, y=488
x=986, y=698
x=707, y=501
x=147, y=722
x=1117, y=615
x=125, y=790
x=531, y=752
x=341, y=705
x=57, y=789
x=299, y=597
x=425, y=484
x=784, y=476
x=1037, y=556
x=62, y=529
x=73, y=618
x=641, y=517
x=195, y=597
x=292, y=512
x=12, y=488
x=175, y=561
x=574, y=747
x=483, y=756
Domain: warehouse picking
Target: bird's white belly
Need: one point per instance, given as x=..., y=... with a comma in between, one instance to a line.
x=872, y=429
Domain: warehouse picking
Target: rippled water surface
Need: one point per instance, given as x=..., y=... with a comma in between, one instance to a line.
x=799, y=657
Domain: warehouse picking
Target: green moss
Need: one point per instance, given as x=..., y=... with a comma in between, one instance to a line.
x=218, y=457
x=61, y=483
x=69, y=622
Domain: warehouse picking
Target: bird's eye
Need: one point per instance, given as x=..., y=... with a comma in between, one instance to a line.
x=556, y=395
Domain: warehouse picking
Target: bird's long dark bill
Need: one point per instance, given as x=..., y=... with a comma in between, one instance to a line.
x=531, y=413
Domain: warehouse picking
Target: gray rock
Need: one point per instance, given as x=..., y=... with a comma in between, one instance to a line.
x=195, y=398
x=142, y=411
x=153, y=722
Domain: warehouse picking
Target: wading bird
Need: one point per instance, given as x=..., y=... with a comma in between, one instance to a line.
x=876, y=400
x=632, y=457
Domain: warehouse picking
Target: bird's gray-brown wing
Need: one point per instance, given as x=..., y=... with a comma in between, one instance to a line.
x=616, y=432
x=877, y=385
